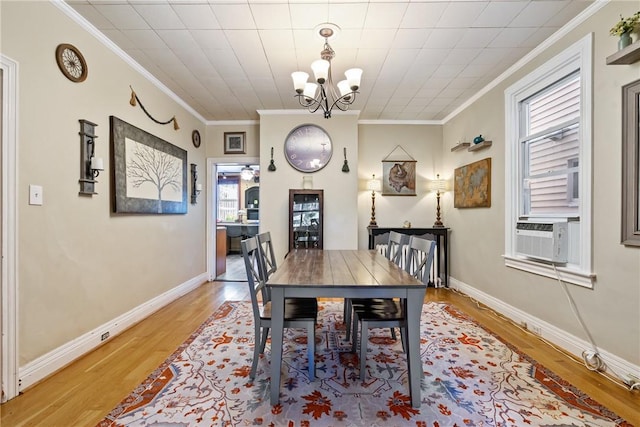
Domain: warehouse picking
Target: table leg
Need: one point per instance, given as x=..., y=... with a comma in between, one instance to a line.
x=414, y=311
x=277, y=324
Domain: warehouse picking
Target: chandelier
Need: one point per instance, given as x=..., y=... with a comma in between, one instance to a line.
x=247, y=173
x=324, y=94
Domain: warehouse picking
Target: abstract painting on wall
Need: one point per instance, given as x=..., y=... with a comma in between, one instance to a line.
x=472, y=185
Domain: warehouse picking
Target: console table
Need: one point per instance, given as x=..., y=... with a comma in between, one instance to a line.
x=441, y=234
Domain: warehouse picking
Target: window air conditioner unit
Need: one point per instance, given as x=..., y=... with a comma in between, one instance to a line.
x=547, y=241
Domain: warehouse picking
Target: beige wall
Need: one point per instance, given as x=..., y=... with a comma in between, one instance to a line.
x=340, y=188
x=610, y=309
x=80, y=265
x=376, y=142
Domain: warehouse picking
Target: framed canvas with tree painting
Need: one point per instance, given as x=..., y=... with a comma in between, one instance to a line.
x=149, y=175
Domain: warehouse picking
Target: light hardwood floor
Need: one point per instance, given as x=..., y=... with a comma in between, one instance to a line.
x=87, y=390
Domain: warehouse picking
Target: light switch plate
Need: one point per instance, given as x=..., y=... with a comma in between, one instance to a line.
x=35, y=195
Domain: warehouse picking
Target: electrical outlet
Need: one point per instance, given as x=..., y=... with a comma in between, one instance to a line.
x=104, y=336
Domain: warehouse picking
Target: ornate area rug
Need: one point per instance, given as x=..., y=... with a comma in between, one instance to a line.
x=471, y=378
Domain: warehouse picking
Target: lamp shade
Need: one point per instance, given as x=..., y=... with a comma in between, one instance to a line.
x=320, y=69
x=343, y=87
x=299, y=80
x=310, y=90
x=353, y=76
x=97, y=164
x=374, y=185
x=439, y=185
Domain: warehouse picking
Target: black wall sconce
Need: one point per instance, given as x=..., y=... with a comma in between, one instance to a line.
x=90, y=165
x=272, y=165
x=195, y=187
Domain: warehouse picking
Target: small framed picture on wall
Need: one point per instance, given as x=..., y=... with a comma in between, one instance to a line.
x=234, y=142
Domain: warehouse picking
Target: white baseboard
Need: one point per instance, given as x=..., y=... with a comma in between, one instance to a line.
x=51, y=362
x=558, y=337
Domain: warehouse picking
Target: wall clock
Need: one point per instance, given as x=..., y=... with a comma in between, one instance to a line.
x=195, y=138
x=71, y=62
x=308, y=148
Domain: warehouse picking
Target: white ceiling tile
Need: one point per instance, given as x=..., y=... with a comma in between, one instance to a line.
x=512, y=37
x=276, y=40
x=178, y=39
x=423, y=15
x=381, y=39
x=271, y=16
x=144, y=39
x=537, y=13
x=234, y=16
x=460, y=14
x=211, y=39
x=407, y=38
x=347, y=15
x=123, y=17
x=461, y=56
x=159, y=16
x=477, y=37
x=384, y=15
x=499, y=14
x=197, y=16
x=307, y=16
x=442, y=38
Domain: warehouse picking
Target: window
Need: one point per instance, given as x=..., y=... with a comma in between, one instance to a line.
x=548, y=158
x=228, y=199
x=549, y=140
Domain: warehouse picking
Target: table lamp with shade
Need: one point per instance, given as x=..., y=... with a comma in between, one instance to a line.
x=439, y=186
x=374, y=185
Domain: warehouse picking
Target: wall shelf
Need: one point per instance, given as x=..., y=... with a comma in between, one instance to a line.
x=628, y=55
x=460, y=146
x=480, y=145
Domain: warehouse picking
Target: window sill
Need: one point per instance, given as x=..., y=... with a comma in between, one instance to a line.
x=569, y=274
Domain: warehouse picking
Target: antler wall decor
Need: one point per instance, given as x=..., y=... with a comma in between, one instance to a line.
x=135, y=98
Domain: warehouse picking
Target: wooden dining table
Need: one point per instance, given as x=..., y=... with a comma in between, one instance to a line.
x=345, y=274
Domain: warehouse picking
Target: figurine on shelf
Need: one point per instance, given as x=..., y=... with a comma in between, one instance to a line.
x=478, y=139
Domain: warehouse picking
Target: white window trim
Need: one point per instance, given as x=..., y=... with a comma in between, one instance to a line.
x=577, y=55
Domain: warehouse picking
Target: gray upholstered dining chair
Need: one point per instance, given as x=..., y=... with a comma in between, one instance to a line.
x=298, y=312
x=392, y=314
x=395, y=253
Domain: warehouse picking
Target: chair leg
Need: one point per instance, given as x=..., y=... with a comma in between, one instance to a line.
x=256, y=352
x=348, y=309
x=364, y=337
x=354, y=333
x=393, y=333
x=311, y=352
x=263, y=341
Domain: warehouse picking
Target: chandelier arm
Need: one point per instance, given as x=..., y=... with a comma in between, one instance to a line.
x=344, y=101
x=311, y=104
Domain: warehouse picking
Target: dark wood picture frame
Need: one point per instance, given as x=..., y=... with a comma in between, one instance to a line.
x=631, y=164
x=234, y=142
x=472, y=185
x=148, y=174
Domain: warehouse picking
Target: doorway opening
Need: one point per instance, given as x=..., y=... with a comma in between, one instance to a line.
x=237, y=213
